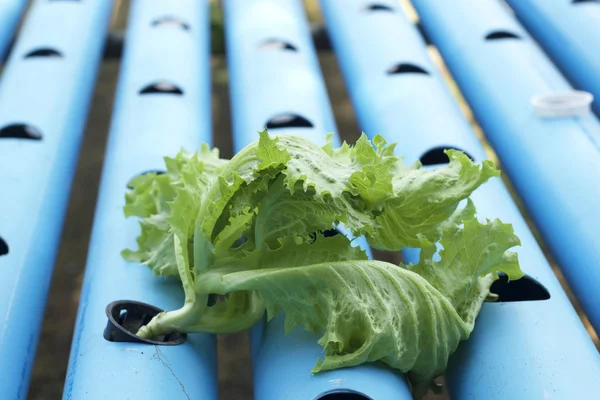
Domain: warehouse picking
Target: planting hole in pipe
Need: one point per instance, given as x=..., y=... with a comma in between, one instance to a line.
x=288, y=120
x=501, y=35
x=20, y=131
x=524, y=289
x=213, y=299
x=406, y=68
x=343, y=395
x=125, y=317
x=152, y=171
x=162, y=87
x=3, y=247
x=585, y=1
x=328, y=233
x=240, y=241
x=378, y=7
x=436, y=155
x=166, y=22
x=276, y=44
x=331, y=232
x=44, y=52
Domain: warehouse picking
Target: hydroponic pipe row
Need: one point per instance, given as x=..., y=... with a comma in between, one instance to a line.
x=162, y=104
x=45, y=93
x=553, y=163
x=276, y=83
x=398, y=92
x=567, y=30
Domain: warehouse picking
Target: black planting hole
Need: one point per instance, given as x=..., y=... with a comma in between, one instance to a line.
x=152, y=171
x=166, y=22
x=437, y=156
x=20, y=131
x=216, y=298
x=125, y=317
x=162, y=87
x=43, y=52
x=524, y=289
x=378, y=7
x=212, y=300
x=3, y=247
x=500, y=35
x=288, y=121
x=585, y=1
x=328, y=233
x=345, y=395
x=122, y=317
x=276, y=44
x=240, y=241
x=406, y=68
x=331, y=232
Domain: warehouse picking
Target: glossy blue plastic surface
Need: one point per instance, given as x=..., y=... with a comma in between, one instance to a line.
x=265, y=83
x=518, y=350
x=553, y=163
x=145, y=128
x=568, y=31
x=10, y=15
x=52, y=95
x=287, y=81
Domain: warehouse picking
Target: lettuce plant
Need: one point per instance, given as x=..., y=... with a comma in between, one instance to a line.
x=257, y=229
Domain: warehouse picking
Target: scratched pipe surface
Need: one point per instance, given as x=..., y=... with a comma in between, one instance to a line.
x=145, y=128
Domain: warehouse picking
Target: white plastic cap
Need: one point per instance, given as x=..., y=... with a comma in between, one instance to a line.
x=574, y=103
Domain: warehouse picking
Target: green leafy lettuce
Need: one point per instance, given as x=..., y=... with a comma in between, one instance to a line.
x=259, y=230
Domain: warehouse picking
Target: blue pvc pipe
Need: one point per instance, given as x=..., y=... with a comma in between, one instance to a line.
x=568, y=31
x=268, y=82
x=553, y=163
x=10, y=15
x=145, y=128
x=52, y=96
x=512, y=342
x=265, y=83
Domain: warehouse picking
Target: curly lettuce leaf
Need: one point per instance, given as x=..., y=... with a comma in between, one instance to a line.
x=366, y=188
x=412, y=318
x=153, y=198
x=256, y=228
x=473, y=251
x=241, y=310
x=288, y=186
x=149, y=199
